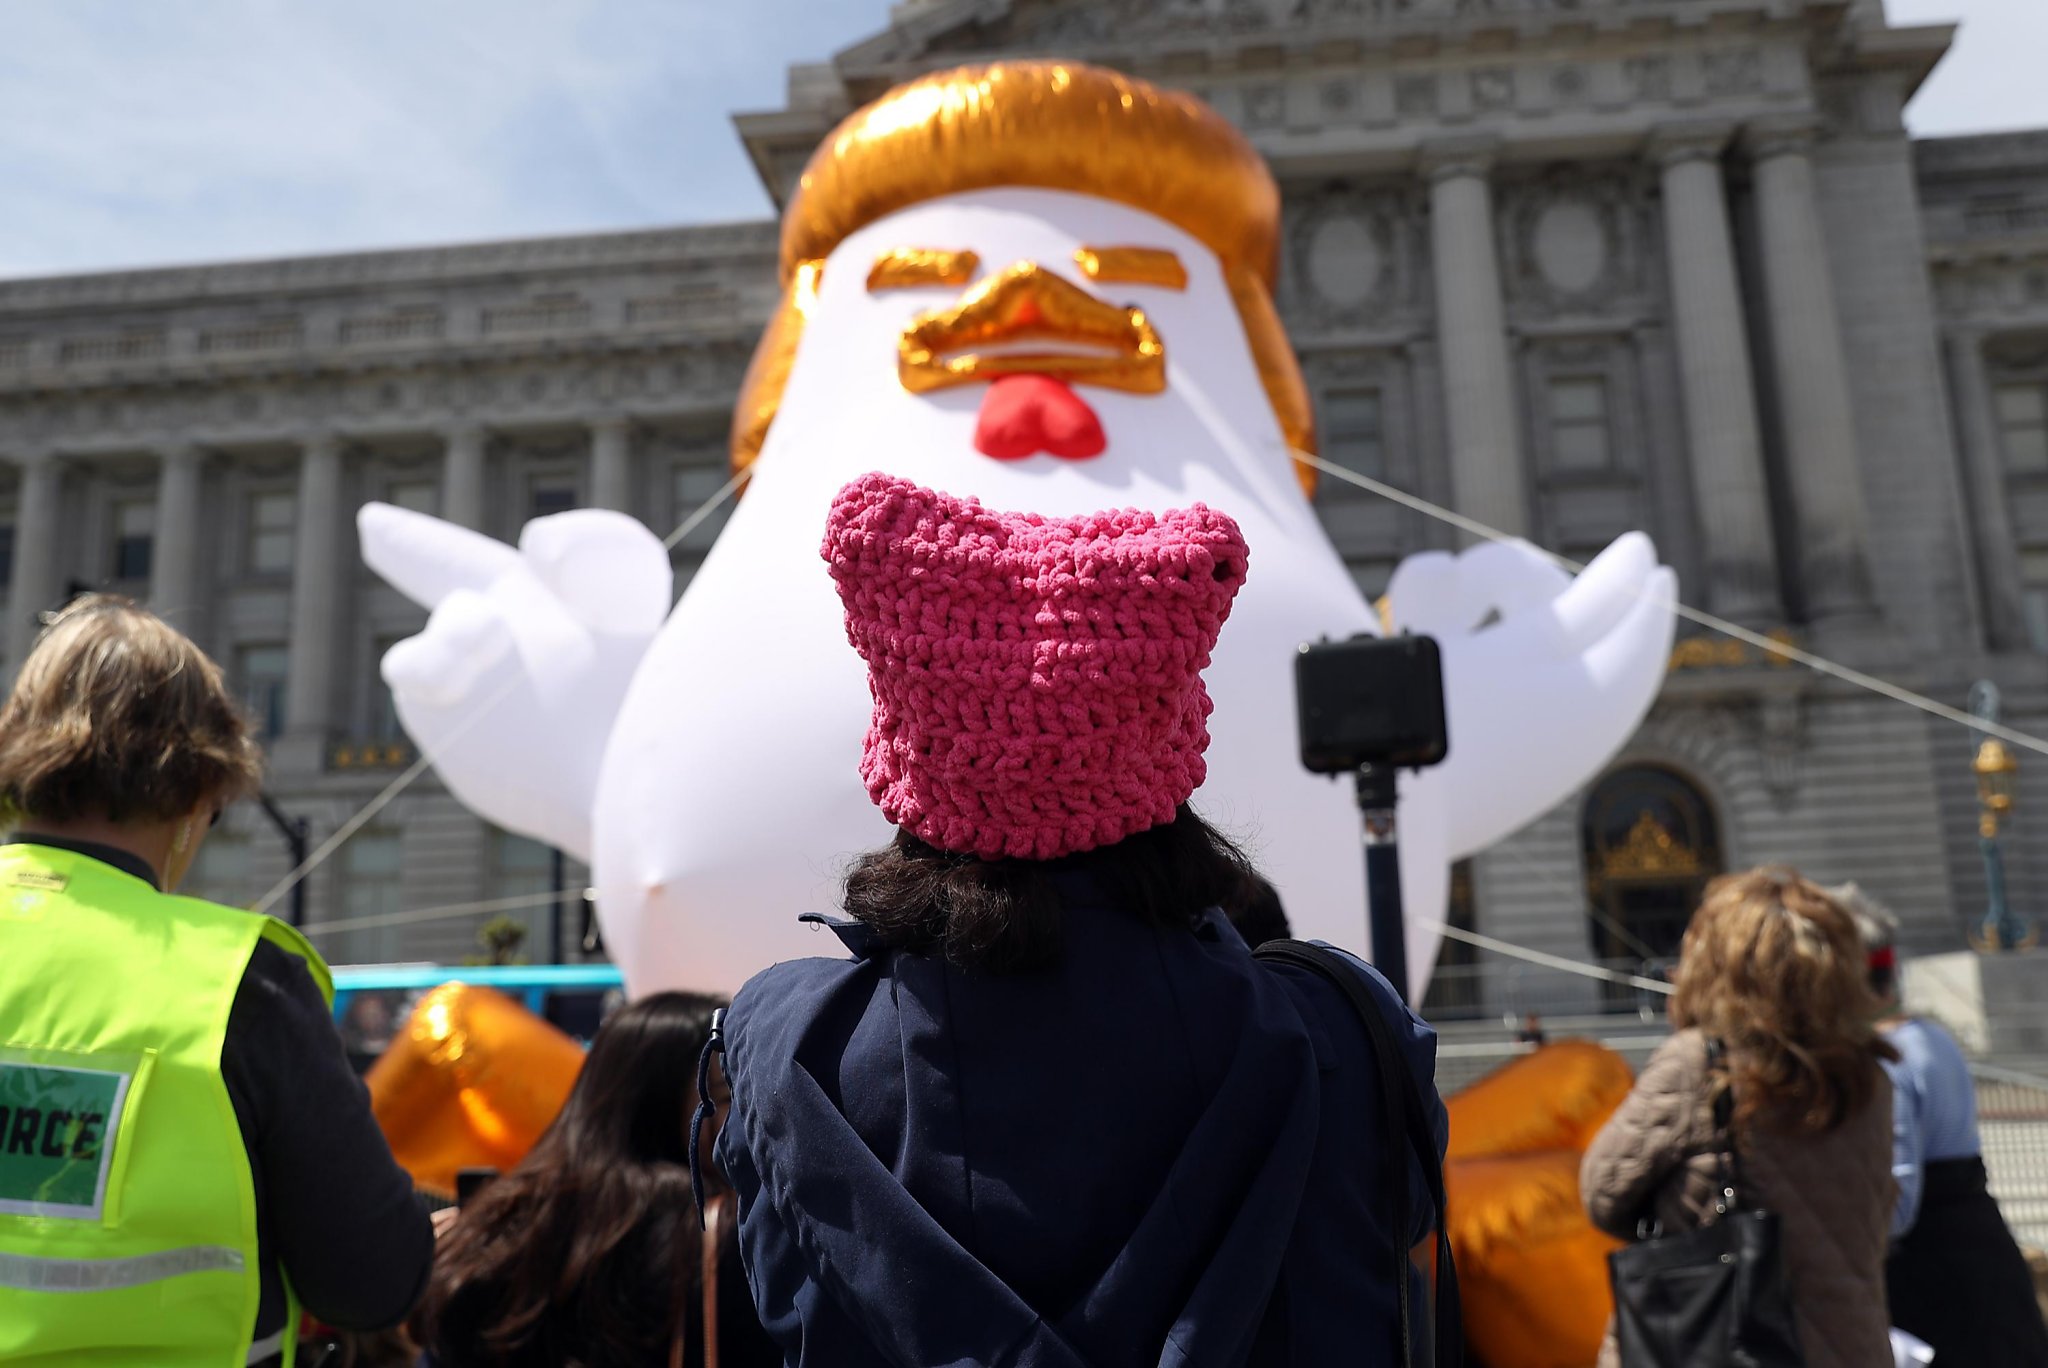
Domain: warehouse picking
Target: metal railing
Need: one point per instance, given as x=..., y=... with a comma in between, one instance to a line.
x=2012, y=1122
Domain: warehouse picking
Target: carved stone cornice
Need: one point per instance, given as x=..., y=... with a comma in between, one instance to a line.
x=1781, y=135
x=414, y=266
x=1689, y=140
x=1447, y=158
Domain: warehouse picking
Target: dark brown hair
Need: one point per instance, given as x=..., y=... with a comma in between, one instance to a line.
x=1004, y=915
x=587, y=1253
x=116, y=714
x=1773, y=968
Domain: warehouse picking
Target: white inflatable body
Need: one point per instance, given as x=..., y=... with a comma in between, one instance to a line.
x=729, y=798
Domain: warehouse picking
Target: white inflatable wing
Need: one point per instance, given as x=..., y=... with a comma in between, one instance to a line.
x=1545, y=675
x=513, y=686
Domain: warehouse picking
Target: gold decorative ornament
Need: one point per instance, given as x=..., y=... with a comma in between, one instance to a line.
x=1056, y=126
x=1133, y=266
x=910, y=268
x=1649, y=851
x=1027, y=303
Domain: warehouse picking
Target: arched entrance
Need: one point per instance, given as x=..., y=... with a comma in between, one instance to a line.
x=1651, y=844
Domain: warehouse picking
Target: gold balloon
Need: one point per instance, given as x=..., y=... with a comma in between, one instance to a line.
x=1027, y=303
x=1133, y=266
x=471, y=1081
x=1056, y=126
x=909, y=268
x=1553, y=1099
x=1053, y=125
x=1532, y=1268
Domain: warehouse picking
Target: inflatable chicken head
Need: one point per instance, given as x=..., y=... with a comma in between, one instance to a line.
x=1032, y=260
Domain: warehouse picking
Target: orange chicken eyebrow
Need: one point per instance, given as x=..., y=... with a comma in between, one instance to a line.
x=906, y=268
x=1133, y=266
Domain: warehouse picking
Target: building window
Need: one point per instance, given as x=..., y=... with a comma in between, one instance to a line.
x=384, y=724
x=273, y=515
x=524, y=868
x=550, y=496
x=1578, y=424
x=418, y=496
x=373, y=866
x=134, y=538
x=261, y=672
x=6, y=555
x=1353, y=435
x=1651, y=845
x=2023, y=427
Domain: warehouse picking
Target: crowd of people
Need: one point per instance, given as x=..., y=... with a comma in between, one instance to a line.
x=1048, y=1108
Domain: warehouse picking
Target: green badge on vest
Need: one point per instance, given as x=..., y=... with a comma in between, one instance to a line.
x=57, y=1128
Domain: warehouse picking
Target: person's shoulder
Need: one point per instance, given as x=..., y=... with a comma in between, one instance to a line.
x=1680, y=1062
x=1328, y=1003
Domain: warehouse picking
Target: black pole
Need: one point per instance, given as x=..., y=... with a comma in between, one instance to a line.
x=558, y=872
x=298, y=839
x=1376, y=804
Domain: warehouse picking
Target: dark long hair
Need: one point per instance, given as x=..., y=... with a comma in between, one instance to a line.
x=587, y=1253
x=1003, y=916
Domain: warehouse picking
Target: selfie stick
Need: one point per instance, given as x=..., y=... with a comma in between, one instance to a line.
x=1376, y=805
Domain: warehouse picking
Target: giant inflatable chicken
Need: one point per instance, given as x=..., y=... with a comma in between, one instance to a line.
x=1048, y=286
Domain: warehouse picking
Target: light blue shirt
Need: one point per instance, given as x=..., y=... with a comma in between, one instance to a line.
x=1934, y=1110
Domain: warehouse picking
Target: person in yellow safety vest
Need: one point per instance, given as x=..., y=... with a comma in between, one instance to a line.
x=185, y=1155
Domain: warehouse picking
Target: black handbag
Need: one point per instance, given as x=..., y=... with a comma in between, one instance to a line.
x=1407, y=1130
x=1716, y=1297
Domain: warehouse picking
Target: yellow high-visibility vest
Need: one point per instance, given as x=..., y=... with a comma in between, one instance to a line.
x=127, y=1208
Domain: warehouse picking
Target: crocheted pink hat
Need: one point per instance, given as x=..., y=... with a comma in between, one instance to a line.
x=1037, y=681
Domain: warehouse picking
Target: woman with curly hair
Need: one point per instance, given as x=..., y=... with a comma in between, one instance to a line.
x=1771, y=1002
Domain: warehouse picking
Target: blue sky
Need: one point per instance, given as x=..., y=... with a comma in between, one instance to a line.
x=145, y=132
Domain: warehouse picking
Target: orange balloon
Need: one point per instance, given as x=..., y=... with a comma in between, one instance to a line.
x=1555, y=1098
x=471, y=1081
x=1532, y=1268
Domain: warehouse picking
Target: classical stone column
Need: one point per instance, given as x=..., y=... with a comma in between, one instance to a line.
x=611, y=464
x=175, y=591
x=318, y=593
x=1998, y=563
x=1488, y=479
x=37, y=578
x=462, y=476
x=1722, y=434
x=1818, y=418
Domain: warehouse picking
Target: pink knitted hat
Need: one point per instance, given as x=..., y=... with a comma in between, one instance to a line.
x=1037, y=681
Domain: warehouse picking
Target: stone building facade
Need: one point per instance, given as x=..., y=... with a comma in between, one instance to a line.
x=1569, y=268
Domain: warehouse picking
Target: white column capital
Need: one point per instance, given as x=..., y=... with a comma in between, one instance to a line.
x=1688, y=140
x=1780, y=135
x=1450, y=158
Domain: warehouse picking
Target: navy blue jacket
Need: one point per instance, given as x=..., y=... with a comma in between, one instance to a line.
x=1156, y=1152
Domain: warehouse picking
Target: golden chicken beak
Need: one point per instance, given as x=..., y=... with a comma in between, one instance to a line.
x=1029, y=304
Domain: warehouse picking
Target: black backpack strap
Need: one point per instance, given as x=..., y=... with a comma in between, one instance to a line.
x=1407, y=1129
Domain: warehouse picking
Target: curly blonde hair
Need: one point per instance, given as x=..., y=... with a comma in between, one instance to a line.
x=1773, y=968
x=116, y=714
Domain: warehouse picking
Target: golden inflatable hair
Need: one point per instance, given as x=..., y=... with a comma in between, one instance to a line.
x=1057, y=126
